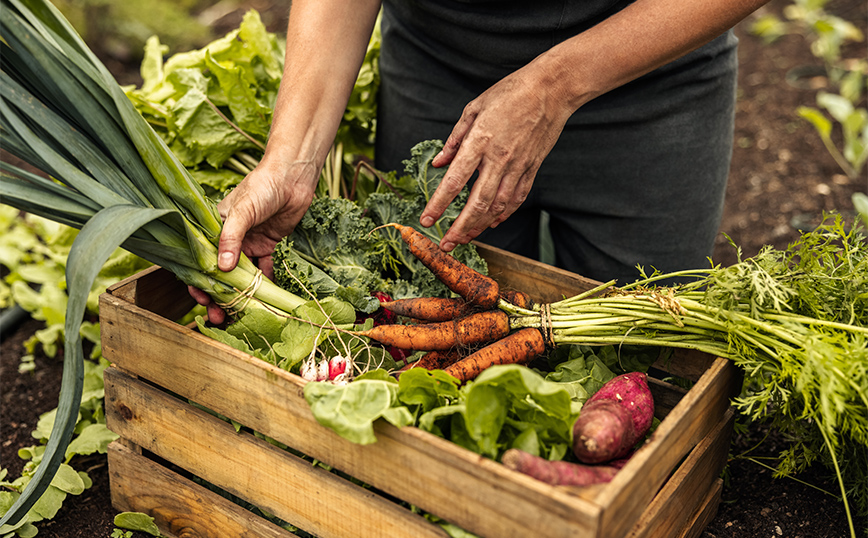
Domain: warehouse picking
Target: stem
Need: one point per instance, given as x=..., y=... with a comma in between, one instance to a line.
x=565, y=303
x=813, y=321
x=770, y=468
x=839, y=477
x=237, y=166
x=254, y=141
x=248, y=160
x=620, y=339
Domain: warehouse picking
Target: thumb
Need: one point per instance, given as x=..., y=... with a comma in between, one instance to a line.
x=229, y=248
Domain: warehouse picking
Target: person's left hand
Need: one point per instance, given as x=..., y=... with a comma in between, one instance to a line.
x=505, y=133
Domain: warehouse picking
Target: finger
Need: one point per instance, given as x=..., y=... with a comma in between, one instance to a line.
x=237, y=224
x=456, y=137
x=520, y=194
x=453, y=181
x=200, y=296
x=489, y=198
x=216, y=315
x=266, y=265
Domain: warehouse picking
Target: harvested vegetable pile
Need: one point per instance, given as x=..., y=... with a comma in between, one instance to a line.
x=796, y=321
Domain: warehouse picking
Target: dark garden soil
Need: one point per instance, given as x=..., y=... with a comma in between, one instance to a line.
x=782, y=179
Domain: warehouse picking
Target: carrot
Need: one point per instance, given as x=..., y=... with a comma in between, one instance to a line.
x=614, y=419
x=469, y=330
x=435, y=360
x=428, y=308
x=519, y=347
x=559, y=473
x=518, y=298
x=475, y=287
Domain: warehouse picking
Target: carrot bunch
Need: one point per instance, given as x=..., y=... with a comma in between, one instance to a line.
x=464, y=335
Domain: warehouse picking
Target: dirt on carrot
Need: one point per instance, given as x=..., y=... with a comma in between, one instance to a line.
x=519, y=347
x=518, y=298
x=429, y=308
x=467, y=331
x=475, y=287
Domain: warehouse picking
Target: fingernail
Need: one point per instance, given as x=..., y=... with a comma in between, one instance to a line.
x=448, y=246
x=427, y=221
x=226, y=259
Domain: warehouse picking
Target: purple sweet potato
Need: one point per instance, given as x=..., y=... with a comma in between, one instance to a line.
x=614, y=419
x=559, y=473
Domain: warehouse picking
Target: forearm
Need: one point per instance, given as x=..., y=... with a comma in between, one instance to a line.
x=644, y=36
x=325, y=46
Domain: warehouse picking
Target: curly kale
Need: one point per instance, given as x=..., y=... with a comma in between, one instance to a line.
x=384, y=208
x=333, y=249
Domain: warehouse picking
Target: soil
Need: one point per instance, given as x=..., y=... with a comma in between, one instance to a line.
x=782, y=180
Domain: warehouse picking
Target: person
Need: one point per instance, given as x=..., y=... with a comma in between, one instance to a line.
x=613, y=116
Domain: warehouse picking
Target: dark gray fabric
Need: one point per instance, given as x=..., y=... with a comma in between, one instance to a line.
x=638, y=175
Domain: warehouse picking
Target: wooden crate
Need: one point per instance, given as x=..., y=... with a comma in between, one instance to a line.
x=670, y=488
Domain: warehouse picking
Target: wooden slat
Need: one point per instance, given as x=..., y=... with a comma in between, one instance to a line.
x=180, y=507
x=251, y=468
x=707, y=514
x=468, y=490
x=542, y=282
x=691, y=420
x=682, y=496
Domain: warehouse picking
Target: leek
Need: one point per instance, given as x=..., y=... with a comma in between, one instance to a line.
x=111, y=176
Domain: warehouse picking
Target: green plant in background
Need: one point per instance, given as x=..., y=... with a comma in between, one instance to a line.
x=847, y=77
x=34, y=251
x=118, y=28
x=92, y=436
x=213, y=106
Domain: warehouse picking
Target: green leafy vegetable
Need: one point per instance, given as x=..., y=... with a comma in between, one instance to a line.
x=506, y=406
x=137, y=521
x=333, y=249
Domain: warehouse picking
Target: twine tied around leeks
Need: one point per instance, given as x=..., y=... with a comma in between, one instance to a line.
x=244, y=296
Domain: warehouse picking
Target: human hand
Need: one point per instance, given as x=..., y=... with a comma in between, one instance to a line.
x=263, y=209
x=505, y=133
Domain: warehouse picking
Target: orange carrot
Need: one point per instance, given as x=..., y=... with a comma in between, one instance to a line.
x=469, y=330
x=519, y=347
x=428, y=308
x=518, y=298
x=476, y=288
x=435, y=360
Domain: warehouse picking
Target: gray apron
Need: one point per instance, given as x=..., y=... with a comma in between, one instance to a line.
x=638, y=175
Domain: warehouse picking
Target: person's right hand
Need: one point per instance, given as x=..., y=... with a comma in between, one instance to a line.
x=263, y=209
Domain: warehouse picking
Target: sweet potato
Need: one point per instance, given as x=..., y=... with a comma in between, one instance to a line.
x=614, y=419
x=559, y=473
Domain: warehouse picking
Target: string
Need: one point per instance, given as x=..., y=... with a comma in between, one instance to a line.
x=244, y=295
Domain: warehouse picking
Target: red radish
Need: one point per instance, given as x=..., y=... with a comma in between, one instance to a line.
x=337, y=366
x=614, y=419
